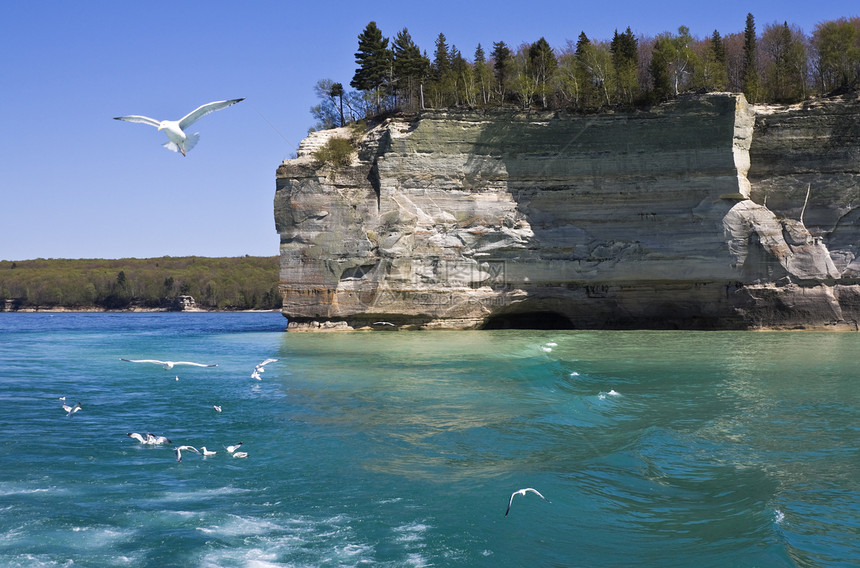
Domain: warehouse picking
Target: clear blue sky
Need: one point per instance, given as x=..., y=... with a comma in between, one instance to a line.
x=76, y=184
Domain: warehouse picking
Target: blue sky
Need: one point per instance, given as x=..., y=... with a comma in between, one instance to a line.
x=76, y=184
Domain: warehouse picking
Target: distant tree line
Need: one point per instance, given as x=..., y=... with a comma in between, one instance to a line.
x=779, y=65
x=240, y=283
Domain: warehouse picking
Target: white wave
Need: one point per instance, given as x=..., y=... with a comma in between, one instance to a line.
x=35, y=561
x=18, y=489
x=413, y=532
x=778, y=516
x=242, y=526
x=417, y=560
x=200, y=494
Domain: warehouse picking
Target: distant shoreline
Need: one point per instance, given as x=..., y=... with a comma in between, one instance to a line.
x=65, y=310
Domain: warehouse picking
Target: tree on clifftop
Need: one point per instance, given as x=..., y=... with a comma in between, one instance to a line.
x=375, y=62
x=751, y=79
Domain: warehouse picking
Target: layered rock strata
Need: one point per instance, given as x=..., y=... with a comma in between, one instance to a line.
x=693, y=214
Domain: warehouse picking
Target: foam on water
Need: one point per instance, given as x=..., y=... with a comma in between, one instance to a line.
x=391, y=450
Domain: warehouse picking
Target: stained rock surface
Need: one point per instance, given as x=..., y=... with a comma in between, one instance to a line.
x=701, y=213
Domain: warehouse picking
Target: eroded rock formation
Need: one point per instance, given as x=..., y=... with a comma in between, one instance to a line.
x=690, y=215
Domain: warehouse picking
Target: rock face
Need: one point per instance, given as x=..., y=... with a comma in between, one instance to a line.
x=691, y=215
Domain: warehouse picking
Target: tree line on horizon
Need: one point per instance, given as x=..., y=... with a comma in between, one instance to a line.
x=229, y=283
x=779, y=65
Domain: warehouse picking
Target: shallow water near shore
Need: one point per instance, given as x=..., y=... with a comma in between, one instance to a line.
x=403, y=448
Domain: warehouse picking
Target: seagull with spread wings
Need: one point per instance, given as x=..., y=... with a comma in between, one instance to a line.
x=177, y=139
x=523, y=493
x=167, y=364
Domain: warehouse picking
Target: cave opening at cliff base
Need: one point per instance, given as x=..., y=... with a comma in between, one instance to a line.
x=528, y=320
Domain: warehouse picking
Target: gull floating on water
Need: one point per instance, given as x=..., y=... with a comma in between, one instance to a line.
x=177, y=139
x=71, y=409
x=216, y=407
x=523, y=492
x=178, y=451
x=240, y=455
x=231, y=449
x=167, y=364
x=207, y=452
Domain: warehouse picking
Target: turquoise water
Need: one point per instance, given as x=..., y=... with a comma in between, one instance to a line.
x=402, y=449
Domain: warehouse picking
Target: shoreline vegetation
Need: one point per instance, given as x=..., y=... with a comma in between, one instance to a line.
x=775, y=63
x=248, y=283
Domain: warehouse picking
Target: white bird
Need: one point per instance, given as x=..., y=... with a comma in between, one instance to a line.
x=71, y=409
x=231, y=449
x=149, y=438
x=384, y=323
x=156, y=440
x=178, y=451
x=260, y=368
x=138, y=437
x=177, y=139
x=207, y=452
x=240, y=455
x=62, y=398
x=216, y=407
x=523, y=492
x=166, y=364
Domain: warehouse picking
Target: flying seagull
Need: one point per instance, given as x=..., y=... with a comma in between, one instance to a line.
x=166, y=364
x=71, y=409
x=260, y=368
x=177, y=139
x=178, y=451
x=523, y=492
x=231, y=449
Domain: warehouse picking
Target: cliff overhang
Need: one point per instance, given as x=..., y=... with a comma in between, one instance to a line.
x=701, y=213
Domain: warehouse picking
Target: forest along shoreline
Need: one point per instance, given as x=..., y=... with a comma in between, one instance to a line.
x=178, y=284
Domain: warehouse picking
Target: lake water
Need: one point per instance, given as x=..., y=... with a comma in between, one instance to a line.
x=403, y=448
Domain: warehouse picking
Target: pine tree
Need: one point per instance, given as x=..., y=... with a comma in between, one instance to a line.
x=441, y=58
x=625, y=58
x=751, y=79
x=502, y=64
x=374, y=60
x=410, y=68
x=483, y=75
x=543, y=65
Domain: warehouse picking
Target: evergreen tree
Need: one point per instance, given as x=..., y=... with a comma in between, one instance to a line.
x=410, y=69
x=710, y=73
x=588, y=95
x=751, y=78
x=374, y=61
x=661, y=54
x=441, y=58
x=483, y=75
x=625, y=59
x=717, y=48
x=543, y=65
x=503, y=61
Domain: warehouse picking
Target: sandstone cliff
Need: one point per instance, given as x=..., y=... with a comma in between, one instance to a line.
x=693, y=214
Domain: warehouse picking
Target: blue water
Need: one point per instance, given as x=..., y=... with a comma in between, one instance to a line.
x=403, y=448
